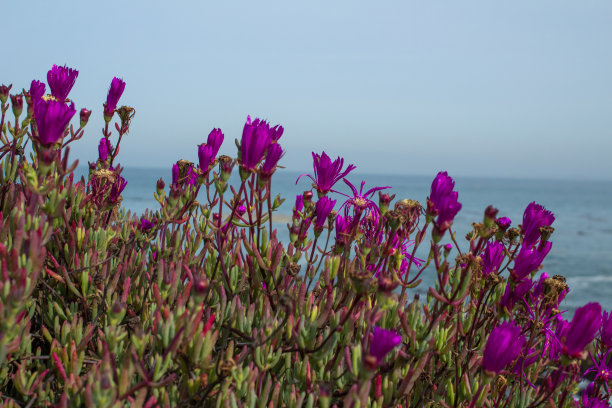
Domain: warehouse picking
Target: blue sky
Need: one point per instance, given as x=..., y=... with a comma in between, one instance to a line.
x=514, y=89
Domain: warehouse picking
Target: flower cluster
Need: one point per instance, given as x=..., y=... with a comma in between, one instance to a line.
x=198, y=302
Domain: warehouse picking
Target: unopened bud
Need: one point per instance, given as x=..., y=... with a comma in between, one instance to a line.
x=160, y=186
x=226, y=164
x=85, y=114
x=17, y=104
x=384, y=200
x=4, y=92
x=307, y=199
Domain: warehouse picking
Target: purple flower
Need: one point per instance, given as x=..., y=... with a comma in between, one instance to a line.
x=515, y=292
x=206, y=156
x=255, y=140
x=605, y=331
x=529, y=260
x=52, y=118
x=145, y=224
x=343, y=230
x=326, y=172
x=593, y=402
x=323, y=208
x=175, y=174
x=492, y=257
x=443, y=202
x=503, y=223
x=383, y=341
x=117, y=189
x=61, y=80
x=272, y=157
x=37, y=90
x=115, y=91
x=361, y=202
x=503, y=346
x=191, y=179
x=535, y=217
x=103, y=149
x=299, y=206
x=582, y=329
x=276, y=132
x=214, y=140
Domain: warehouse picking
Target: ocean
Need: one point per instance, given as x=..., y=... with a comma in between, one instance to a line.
x=582, y=240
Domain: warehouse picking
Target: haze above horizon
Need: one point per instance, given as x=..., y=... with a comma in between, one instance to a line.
x=517, y=90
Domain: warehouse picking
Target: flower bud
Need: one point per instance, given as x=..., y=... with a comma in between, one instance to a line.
x=307, y=199
x=85, y=114
x=226, y=164
x=160, y=186
x=384, y=200
x=4, y=92
x=17, y=104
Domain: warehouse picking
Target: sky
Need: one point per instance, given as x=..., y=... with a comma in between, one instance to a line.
x=518, y=89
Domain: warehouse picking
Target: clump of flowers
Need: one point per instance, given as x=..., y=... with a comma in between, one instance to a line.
x=198, y=302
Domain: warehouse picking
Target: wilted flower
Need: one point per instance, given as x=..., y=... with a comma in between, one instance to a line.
x=61, y=80
x=382, y=342
x=492, y=257
x=442, y=201
x=503, y=346
x=52, y=118
x=535, y=217
x=582, y=329
x=326, y=172
x=322, y=209
x=255, y=140
x=115, y=91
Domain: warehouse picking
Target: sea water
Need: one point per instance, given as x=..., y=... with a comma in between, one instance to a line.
x=582, y=240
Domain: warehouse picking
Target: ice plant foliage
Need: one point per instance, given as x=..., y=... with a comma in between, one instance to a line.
x=197, y=302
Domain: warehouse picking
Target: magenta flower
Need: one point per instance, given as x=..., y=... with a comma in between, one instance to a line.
x=442, y=202
x=593, y=402
x=326, y=172
x=37, y=90
x=515, y=292
x=61, y=80
x=582, y=329
x=145, y=224
x=115, y=91
x=382, y=342
x=299, y=206
x=323, y=208
x=503, y=346
x=276, y=132
x=52, y=118
x=175, y=174
x=206, y=156
x=343, y=230
x=605, y=332
x=503, y=223
x=529, y=260
x=535, y=217
x=117, y=189
x=103, y=149
x=214, y=140
x=255, y=140
x=492, y=257
x=361, y=202
x=273, y=155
